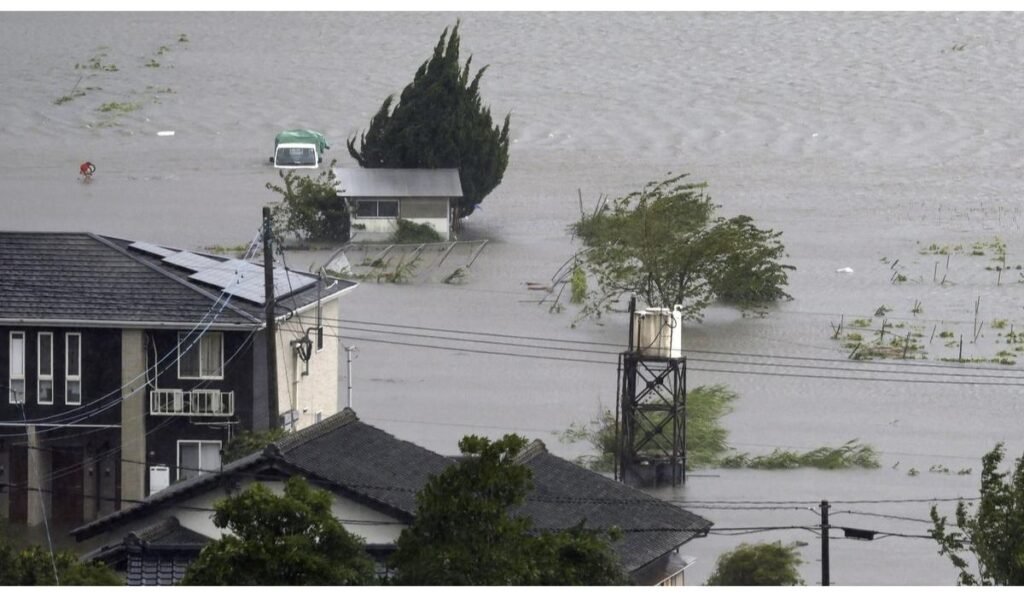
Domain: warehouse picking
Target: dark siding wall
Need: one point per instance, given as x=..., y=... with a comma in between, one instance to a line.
x=164, y=432
x=101, y=374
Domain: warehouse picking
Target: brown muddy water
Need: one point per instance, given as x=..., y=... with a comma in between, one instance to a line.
x=865, y=138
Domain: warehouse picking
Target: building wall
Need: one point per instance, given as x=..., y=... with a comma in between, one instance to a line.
x=310, y=388
x=57, y=463
x=163, y=432
x=433, y=211
x=196, y=514
x=100, y=374
x=133, y=415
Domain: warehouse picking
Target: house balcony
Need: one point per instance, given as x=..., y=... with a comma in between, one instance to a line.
x=192, y=403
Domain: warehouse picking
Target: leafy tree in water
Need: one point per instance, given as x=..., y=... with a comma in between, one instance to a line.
x=994, y=533
x=33, y=566
x=666, y=245
x=463, y=533
x=281, y=540
x=439, y=122
x=706, y=438
x=761, y=564
x=310, y=207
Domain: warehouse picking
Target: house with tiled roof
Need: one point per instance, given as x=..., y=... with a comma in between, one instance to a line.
x=374, y=478
x=125, y=366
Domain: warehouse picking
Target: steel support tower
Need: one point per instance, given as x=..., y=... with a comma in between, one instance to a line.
x=651, y=420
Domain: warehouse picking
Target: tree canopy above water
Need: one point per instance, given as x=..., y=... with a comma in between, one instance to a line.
x=666, y=244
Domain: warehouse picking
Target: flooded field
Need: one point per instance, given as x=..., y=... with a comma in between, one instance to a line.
x=884, y=144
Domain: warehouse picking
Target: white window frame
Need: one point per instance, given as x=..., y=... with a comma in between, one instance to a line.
x=43, y=377
x=68, y=377
x=199, y=442
x=13, y=375
x=198, y=346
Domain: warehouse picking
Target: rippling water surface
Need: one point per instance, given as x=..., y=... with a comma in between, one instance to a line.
x=865, y=138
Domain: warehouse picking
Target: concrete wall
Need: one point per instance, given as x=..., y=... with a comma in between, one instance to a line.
x=313, y=387
x=133, y=415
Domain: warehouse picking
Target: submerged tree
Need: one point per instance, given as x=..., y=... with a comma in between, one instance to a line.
x=281, y=540
x=464, y=533
x=310, y=207
x=761, y=564
x=993, y=533
x=666, y=245
x=439, y=122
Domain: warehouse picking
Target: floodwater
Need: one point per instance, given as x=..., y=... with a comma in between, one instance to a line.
x=864, y=138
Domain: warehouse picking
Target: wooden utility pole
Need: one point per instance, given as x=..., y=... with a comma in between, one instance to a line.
x=268, y=300
x=825, y=581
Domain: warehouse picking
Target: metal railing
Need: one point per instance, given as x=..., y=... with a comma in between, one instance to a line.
x=192, y=403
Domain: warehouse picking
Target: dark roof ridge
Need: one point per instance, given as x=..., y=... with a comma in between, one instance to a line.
x=157, y=530
x=293, y=440
x=106, y=242
x=531, y=451
x=169, y=494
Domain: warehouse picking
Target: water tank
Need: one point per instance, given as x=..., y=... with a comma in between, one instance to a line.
x=159, y=478
x=658, y=332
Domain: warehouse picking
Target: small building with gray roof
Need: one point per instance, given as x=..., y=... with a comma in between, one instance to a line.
x=379, y=197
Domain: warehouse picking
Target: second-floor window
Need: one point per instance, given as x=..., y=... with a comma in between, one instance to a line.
x=203, y=358
x=44, y=383
x=16, y=381
x=73, y=368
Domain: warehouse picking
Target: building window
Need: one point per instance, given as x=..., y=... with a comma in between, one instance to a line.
x=73, y=369
x=376, y=208
x=197, y=457
x=44, y=384
x=202, y=359
x=16, y=382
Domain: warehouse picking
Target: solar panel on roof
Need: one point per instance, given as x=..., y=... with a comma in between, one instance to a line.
x=189, y=260
x=240, y=278
x=287, y=282
x=151, y=249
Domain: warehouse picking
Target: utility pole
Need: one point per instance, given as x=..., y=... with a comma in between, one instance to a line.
x=268, y=301
x=824, y=544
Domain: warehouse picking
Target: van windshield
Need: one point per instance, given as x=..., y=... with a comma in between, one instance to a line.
x=296, y=156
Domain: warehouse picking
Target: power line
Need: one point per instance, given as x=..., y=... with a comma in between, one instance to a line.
x=619, y=346
x=699, y=369
x=859, y=368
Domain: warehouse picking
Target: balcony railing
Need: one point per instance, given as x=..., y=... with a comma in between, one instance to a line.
x=192, y=403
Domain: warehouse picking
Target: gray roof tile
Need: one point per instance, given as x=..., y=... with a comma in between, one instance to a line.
x=371, y=465
x=91, y=280
x=398, y=182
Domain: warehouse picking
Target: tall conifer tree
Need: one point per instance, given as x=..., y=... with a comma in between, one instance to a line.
x=440, y=122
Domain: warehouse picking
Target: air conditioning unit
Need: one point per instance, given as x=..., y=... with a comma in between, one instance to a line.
x=658, y=332
x=159, y=478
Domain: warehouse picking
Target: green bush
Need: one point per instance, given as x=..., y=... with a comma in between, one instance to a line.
x=410, y=232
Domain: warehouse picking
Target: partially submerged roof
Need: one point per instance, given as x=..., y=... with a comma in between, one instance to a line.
x=398, y=182
x=373, y=467
x=68, y=278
